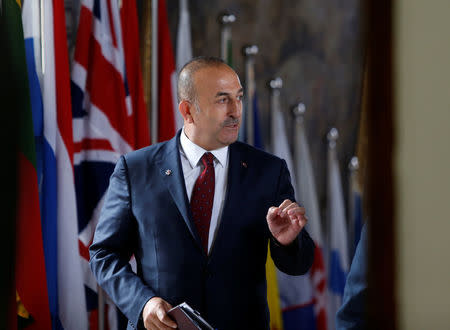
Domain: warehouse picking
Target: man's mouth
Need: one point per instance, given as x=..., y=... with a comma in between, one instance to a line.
x=231, y=123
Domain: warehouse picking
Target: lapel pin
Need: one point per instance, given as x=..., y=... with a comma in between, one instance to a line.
x=168, y=172
x=244, y=164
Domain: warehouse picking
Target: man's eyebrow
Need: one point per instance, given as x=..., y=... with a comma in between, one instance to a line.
x=226, y=93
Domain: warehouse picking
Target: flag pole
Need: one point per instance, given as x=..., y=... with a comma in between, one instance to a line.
x=146, y=57
x=155, y=89
x=332, y=137
x=225, y=21
x=275, y=86
x=249, y=53
x=353, y=167
x=298, y=111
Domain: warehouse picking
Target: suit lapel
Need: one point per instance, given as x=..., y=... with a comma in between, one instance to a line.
x=237, y=171
x=172, y=175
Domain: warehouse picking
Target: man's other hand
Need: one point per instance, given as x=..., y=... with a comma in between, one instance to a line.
x=155, y=315
x=286, y=221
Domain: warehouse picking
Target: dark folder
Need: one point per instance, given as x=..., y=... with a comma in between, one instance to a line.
x=188, y=319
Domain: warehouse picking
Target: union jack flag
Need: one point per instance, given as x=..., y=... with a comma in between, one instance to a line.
x=109, y=119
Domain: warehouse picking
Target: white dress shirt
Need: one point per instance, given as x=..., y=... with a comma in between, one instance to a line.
x=192, y=167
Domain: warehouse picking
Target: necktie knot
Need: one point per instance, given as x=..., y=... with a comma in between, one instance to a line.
x=208, y=159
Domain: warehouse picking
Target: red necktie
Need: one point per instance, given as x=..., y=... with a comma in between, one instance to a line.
x=202, y=198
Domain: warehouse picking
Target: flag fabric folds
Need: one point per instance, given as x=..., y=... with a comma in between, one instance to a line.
x=184, y=48
x=307, y=196
x=52, y=118
x=107, y=118
x=258, y=141
x=276, y=322
x=30, y=271
x=130, y=28
x=296, y=293
x=338, y=259
x=273, y=296
x=167, y=78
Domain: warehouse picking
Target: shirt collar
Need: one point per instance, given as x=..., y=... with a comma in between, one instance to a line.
x=194, y=152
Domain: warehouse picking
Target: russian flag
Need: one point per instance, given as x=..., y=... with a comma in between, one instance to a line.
x=52, y=120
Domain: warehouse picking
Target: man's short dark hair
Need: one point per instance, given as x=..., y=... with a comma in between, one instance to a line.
x=186, y=88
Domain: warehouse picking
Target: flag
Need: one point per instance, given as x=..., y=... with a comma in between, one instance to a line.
x=258, y=141
x=338, y=259
x=273, y=296
x=184, y=47
x=30, y=271
x=133, y=81
x=167, y=78
x=296, y=292
x=226, y=43
x=145, y=50
x=52, y=118
x=105, y=122
x=307, y=196
x=250, y=130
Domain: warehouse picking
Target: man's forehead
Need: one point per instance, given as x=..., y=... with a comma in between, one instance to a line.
x=218, y=78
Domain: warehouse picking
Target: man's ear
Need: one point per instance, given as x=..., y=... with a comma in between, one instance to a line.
x=185, y=107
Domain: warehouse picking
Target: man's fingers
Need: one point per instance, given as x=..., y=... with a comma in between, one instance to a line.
x=301, y=221
x=273, y=212
x=155, y=314
x=164, y=318
x=295, y=210
x=285, y=204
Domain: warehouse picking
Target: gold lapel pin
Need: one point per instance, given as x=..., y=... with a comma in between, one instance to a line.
x=168, y=172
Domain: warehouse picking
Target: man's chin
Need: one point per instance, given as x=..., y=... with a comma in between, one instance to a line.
x=229, y=140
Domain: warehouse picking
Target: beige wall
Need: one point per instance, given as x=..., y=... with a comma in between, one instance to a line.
x=422, y=83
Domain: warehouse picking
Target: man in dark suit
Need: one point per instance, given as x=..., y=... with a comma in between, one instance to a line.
x=198, y=212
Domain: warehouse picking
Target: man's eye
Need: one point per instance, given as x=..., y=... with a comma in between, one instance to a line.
x=222, y=100
x=240, y=97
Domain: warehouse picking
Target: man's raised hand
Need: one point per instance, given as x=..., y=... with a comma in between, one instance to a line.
x=286, y=221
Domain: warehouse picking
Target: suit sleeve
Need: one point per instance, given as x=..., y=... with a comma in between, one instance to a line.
x=114, y=243
x=296, y=258
x=351, y=314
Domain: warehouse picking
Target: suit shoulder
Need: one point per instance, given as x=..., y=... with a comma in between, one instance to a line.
x=255, y=153
x=146, y=153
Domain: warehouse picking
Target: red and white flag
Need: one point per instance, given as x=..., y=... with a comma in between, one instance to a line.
x=167, y=78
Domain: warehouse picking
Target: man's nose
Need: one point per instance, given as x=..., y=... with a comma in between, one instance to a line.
x=235, y=108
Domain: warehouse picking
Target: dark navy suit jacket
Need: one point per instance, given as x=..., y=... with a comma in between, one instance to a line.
x=146, y=212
